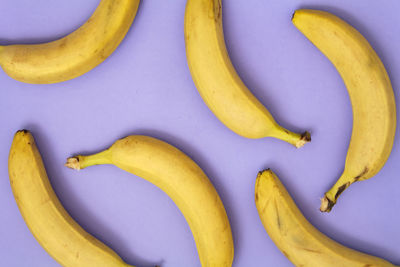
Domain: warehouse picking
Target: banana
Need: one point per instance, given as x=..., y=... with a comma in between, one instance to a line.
x=49, y=222
x=76, y=53
x=371, y=95
x=217, y=81
x=297, y=239
x=181, y=179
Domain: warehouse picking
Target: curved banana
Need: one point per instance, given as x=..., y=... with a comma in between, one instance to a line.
x=297, y=239
x=370, y=90
x=45, y=216
x=181, y=179
x=217, y=81
x=76, y=53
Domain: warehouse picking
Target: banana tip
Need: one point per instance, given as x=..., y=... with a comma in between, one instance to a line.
x=294, y=12
x=24, y=131
x=73, y=163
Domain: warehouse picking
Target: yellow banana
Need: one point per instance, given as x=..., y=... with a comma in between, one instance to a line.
x=45, y=216
x=76, y=53
x=217, y=81
x=181, y=179
x=370, y=90
x=297, y=239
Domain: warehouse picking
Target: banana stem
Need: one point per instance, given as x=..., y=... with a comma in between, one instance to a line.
x=81, y=162
x=330, y=197
x=298, y=140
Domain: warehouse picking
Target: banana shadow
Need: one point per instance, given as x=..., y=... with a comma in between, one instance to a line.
x=35, y=40
x=305, y=207
x=73, y=205
x=39, y=40
x=376, y=44
x=72, y=28
x=261, y=91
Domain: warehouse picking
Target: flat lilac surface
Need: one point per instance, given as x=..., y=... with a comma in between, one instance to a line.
x=145, y=88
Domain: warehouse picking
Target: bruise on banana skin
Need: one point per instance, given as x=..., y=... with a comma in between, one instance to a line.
x=215, y=9
x=344, y=186
x=361, y=174
x=63, y=43
x=278, y=220
x=219, y=9
x=312, y=250
x=330, y=204
x=341, y=189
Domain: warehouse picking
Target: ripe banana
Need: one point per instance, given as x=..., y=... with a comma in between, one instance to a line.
x=181, y=179
x=76, y=53
x=298, y=240
x=45, y=216
x=371, y=95
x=217, y=81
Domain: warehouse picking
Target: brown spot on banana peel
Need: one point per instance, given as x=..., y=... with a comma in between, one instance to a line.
x=311, y=250
x=278, y=220
x=358, y=177
x=344, y=186
x=63, y=43
x=215, y=10
x=218, y=9
x=341, y=189
x=266, y=170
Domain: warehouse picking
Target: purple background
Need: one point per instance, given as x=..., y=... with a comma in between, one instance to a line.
x=145, y=88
